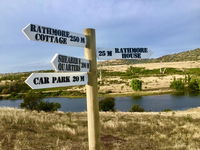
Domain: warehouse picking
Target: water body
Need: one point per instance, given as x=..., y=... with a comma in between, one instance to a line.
x=149, y=103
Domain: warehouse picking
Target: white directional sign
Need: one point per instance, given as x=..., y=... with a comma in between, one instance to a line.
x=46, y=34
x=64, y=63
x=122, y=53
x=50, y=80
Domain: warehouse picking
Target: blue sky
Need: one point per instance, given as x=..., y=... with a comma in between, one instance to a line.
x=164, y=26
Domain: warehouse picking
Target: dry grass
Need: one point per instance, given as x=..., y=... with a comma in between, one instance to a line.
x=152, y=84
x=178, y=65
x=20, y=129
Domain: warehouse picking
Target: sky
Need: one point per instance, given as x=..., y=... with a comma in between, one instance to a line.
x=163, y=26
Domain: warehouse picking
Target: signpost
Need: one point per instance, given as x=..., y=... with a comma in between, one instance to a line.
x=51, y=35
x=50, y=80
x=122, y=53
x=64, y=63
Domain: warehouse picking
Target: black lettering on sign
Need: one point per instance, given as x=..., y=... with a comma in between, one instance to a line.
x=65, y=33
x=88, y=65
x=117, y=50
x=33, y=28
x=83, y=65
x=35, y=81
x=145, y=50
x=56, y=39
x=82, y=40
x=54, y=31
x=37, y=37
x=74, y=38
x=61, y=79
x=48, y=30
x=54, y=79
x=109, y=53
x=60, y=67
x=75, y=78
x=134, y=55
x=59, y=33
x=102, y=53
x=42, y=37
x=46, y=79
x=82, y=78
x=39, y=29
x=41, y=80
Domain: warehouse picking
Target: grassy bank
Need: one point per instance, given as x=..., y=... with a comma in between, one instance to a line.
x=77, y=94
x=119, y=131
x=139, y=93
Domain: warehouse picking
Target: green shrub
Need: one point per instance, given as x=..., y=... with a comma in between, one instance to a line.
x=188, y=83
x=15, y=86
x=47, y=106
x=5, y=91
x=136, y=84
x=178, y=85
x=193, y=85
x=136, y=108
x=107, y=104
x=33, y=101
x=134, y=70
x=193, y=71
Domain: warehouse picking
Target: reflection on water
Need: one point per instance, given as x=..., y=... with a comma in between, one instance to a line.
x=175, y=101
x=193, y=93
x=188, y=93
x=176, y=94
x=137, y=97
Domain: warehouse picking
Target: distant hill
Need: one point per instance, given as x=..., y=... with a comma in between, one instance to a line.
x=190, y=55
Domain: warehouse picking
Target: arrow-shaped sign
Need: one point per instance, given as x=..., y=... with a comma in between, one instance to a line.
x=50, y=80
x=123, y=53
x=46, y=34
x=64, y=63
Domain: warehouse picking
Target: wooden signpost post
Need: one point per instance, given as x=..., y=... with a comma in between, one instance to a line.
x=91, y=92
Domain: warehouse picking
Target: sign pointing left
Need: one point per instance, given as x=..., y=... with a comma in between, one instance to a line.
x=50, y=80
x=64, y=63
x=46, y=34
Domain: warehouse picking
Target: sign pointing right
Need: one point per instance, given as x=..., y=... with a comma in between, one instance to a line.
x=122, y=53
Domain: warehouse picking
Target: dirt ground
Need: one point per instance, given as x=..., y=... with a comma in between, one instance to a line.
x=150, y=84
x=179, y=65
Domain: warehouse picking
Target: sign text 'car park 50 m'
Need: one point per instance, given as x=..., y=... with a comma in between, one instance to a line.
x=46, y=34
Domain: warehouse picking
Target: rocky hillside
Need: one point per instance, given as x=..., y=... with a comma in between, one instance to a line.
x=191, y=55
